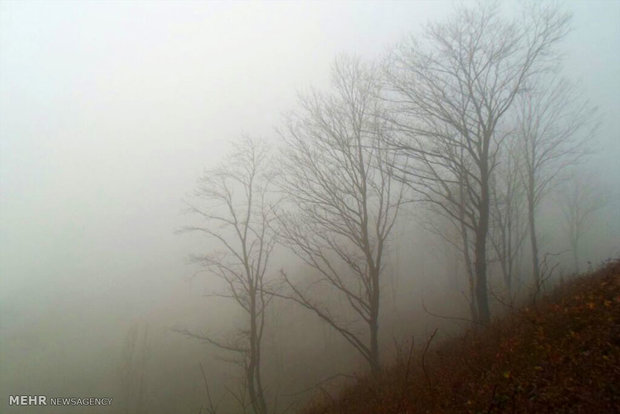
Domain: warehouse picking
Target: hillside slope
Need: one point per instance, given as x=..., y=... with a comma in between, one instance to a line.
x=560, y=356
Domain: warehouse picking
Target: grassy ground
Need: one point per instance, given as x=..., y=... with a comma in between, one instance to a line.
x=559, y=356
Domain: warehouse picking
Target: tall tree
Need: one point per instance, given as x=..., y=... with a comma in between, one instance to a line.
x=554, y=123
x=508, y=221
x=344, y=199
x=135, y=366
x=580, y=198
x=233, y=203
x=451, y=93
x=455, y=213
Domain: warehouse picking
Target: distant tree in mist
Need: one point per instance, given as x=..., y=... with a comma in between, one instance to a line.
x=343, y=200
x=553, y=126
x=471, y=120
x=508, y=221
x=133, y=370
x=458, y=234
x=232, y=203
x=580, y=198
x=451, y=93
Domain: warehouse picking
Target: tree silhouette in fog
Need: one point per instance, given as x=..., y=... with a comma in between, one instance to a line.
x=232, y=203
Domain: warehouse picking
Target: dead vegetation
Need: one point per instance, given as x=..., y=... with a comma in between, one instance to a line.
x=561, y=355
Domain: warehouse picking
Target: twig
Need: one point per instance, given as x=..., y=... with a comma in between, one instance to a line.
x=428, y=344
x=318, y=384
x=407, y=368
x=492, y=402
x=212, y=408
x=455, y=318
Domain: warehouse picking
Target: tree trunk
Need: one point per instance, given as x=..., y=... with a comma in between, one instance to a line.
x=534, y=242
x=374, y=326
x=375, y=366
x=473, y=308
x=257, y=398
x=482, y=300
x=575, y=248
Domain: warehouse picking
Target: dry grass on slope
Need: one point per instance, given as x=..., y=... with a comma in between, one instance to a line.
x=560, y=356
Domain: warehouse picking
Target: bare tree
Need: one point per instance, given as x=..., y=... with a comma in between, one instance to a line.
x=344, y=199
x=580, y=198
x=232, y=202
x=553, y=126
x=455, y=214
x=135, y=357
x=451, y=94
x=508, y=229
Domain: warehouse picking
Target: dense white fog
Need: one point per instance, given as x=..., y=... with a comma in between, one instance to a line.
x=109, y=114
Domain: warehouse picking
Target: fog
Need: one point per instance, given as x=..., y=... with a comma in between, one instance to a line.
x=111, y=111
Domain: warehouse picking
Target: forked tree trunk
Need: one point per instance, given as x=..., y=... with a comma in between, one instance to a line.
x=375, y=365
x=482, y=300
x=531, y=206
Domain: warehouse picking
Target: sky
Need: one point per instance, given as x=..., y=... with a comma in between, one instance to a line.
x=110, y=111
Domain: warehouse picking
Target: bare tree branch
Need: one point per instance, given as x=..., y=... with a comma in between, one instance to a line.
x=449, y=98
x=343, y=196
x=236, y=214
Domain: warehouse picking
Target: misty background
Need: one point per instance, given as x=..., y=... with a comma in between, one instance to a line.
x=110, y=112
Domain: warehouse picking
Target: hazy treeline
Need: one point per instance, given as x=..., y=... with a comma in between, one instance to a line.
x=437, y=185
x=469, y=128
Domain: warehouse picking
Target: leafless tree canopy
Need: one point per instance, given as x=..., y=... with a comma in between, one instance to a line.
x=508, y=218
x=472, y=120
x=450, y=96
x=580, y=198
x=553, y=127
x=343, y=197
x=236, y=213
